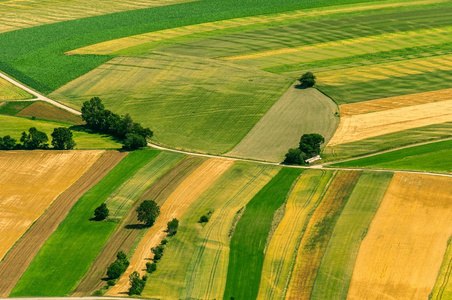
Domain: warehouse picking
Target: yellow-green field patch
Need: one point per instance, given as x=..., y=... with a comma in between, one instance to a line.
x=9, y=91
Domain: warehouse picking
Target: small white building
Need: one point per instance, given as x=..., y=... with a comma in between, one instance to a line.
x=313, y=159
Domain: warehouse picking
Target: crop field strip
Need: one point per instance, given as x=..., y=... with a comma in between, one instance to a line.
x=297, y=112
x=22, y=253
x=247, y=246
x=30, y=182
x=53, y=40
x=211, y=112
x=8, y=91
x=359, y=127
x=281, y=251
x=388, y=141
x=443, y=285
x=14, y=126
x=195, y=261
x=174, y=207
x=318, y=233
x=45, y=111
x=12, y=108
x=127, y=234
x=117, y=46
x=66, y=256
x=434, y=157
x=18, y=14
x=335, y=272
x=411, y=223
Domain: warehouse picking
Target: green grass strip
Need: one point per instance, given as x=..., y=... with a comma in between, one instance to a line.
x=246, y=256
x=336, y=269
x=430, y=157
x=68, y=253
x=11, y=108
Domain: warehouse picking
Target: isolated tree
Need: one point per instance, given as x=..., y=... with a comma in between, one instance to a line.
x=35, y=139
x=62, y=139
x=307, y=80
x=148, y=212
x=294, y=157
x=172, y=227
x=101, y=212
x=7, y=143
x=151, y=267
x=134, y=141
x=310, y=144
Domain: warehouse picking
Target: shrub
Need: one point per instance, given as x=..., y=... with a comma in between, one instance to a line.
x=118, y=267
x=137, y=284
x=172, y=227
x=151, y=267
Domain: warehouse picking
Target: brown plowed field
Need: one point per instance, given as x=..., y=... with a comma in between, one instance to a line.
x=394, y=102
x=19, y=257
x=402, y=253
x=46, y=111
x=174, y=207
x=125, y=237
x=318, y=232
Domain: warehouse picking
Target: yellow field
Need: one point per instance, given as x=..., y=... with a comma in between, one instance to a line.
x=358, y=127
x=281, y=251
x=402, y=253
x=112, y=46
x=17, y=14
x=394, y=102
x=386, y=70
x=174, y=207
x=30, y=181
x=9, y=91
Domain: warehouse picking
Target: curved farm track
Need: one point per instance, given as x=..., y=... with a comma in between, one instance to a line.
x=127, y=233
x=20, y=256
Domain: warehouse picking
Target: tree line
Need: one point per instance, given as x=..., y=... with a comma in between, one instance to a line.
x=35, y=139
x=133, y=135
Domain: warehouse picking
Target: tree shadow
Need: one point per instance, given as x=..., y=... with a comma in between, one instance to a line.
x=83, y=128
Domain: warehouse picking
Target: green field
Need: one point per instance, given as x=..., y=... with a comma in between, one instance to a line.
x=14, y=126
x=11, y=108
x=72, y=248
x=200, y=104
x=433, y=157
x=195, y=262
x=248, y=241
x=297, y=112
x=9, y=91
x=335, y=272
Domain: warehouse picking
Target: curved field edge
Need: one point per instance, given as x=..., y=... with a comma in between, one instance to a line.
x=46, y=174
x=336, y=268
x=318, y=233
x=66, y=256
x=412, y=222
x=281, y=251
x=15, y=263
x=248, y=241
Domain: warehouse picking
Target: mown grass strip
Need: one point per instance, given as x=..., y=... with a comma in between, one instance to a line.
x=318, y=233
x=246, y=255
x=68, y=253
x=281, y=252
x=336, y=269
x=435, y=157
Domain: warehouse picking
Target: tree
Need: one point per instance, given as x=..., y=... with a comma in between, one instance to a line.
x=7, y=143
x=307, y=80
x=148, y=212
x=91, y=113
x=136, y=284
x=62, y=139
x=151, y=267
x=310, y=144
x=134, y=141
x=294, y=157
x=34, y=139
x=101, y=212
x=119, y=266
x=172, y=227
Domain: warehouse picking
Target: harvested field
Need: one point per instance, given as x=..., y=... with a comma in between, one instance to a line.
x=174, y=207
x=9, y=91
x=248, y=242
x=297, y=112
x=401, y=255
x=46, y=111
x=196, y=260
x=31, y=181
x=127, y=234
x=22, y=253
x=394, y=102
x=317, y=235
x=281, y=252
x=18, y=14
x=336, y=268
x=359, y=127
